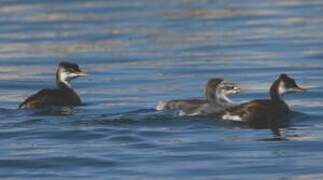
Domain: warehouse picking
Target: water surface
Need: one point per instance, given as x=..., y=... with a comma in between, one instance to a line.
x=141, y=52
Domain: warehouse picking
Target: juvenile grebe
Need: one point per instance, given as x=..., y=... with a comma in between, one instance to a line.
x=265, y=113
x=63, y=95
x=216, y=100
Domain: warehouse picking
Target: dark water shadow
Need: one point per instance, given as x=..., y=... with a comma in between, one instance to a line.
x=53, y=111
x=151, y=117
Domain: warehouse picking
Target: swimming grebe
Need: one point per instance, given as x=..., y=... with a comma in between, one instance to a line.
x=216, y=92
x=266, y=113
x=63, y=95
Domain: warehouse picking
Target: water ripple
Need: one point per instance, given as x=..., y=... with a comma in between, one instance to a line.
x=139, y=53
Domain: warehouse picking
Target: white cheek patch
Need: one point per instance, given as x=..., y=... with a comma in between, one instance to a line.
x=282, y=89
x=64, y=76
x=230, y=117
x=221, y=95
x=72, y=75
x=67, y=76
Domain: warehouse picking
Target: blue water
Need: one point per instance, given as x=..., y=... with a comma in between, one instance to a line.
x=141, y=52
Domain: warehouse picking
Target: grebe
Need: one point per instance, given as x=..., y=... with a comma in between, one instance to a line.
x=63, y=95
x=216, y=100
x=266, y=113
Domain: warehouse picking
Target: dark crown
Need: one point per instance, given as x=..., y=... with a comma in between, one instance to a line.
x=71, y=67
x=214, y=82
x=289, y=82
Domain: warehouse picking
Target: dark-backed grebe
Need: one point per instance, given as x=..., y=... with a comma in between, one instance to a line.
x=63, y=95
x=216, y=100
x=265, y=113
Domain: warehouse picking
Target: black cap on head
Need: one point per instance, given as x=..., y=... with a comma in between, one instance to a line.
x=214, y=82
x=287, y=80
x=72, y=67
x=283, y=76
x=290, y=83
x=211, y=87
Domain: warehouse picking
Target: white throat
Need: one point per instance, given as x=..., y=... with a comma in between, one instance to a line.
x=220, y=97
x=65, y=77
x=282, y=89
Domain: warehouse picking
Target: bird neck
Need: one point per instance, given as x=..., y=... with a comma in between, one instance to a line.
x=274, y=91
x=216, y=97
x=222, y=98
x=61, y=80
x=209, y=94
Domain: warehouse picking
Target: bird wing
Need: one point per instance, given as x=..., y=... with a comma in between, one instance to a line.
x=44, y=97
x=253, y=110
x=185, y=105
